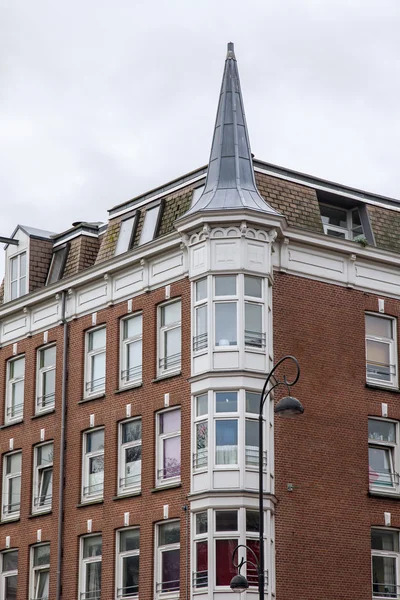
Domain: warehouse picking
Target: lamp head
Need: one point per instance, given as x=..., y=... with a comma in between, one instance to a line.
x=289, y=407
x=239, y=584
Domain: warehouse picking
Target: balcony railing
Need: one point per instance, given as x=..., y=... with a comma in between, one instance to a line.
x=94, y=490
x=200, y=459
x=96, y=385
x=168, y=586
x=200, y=342
x=130, y=481
x=42, y=501
x=9, y=509
x=385, y=590
x=384, y=479
x=128, y=592
x=255, y=339
x=173, y=361
x=93, y=595
x=200, y=579
x=46, y=401
x=132, y=374
x=169, y=472
x=251, y=456
x=380, y=371
x=15, y=410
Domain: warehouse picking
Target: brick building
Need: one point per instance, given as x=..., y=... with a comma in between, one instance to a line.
x=132, y=356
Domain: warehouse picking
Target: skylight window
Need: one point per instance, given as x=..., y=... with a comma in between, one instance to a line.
x=57, y=265
x=197, y=192
x=126, y=235
x=150, y=224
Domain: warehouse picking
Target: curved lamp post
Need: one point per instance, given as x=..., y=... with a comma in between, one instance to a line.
x=286, y=407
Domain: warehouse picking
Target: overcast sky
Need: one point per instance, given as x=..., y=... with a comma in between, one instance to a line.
x=101, y=100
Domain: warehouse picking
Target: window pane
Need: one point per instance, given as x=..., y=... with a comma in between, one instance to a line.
x=43, y=585
x=170, y=421
x=171, y=313
x=384, y=540
x=14, y=463
x=253, y=402
x=41, y=555
x=14, y=268
x=253, y=286
x=378, y=326
x=10, y=587
x=253, y=325
x=125, y=234
x=129, y=540
x=22, y=272
x=172, y=457
x=224, y=569
x=378, y=360
x=92, y=546
x=380, y=471
x=251, y=572
x=384, y=431
x=170, y=570
x=49, y=385
x=201, y=444
x=201, y=579
x=172, y=345
x=57, y=265
x=384, y=581
x=226, y=435
x=46, y=487
x=17, y=368
x=225, y=285
x=130, y=575
x=14, y=290
x=226, y=402
x=98, y=369
x=14, y=494
x=93, y=580
x=252, y=520
x=96, y=474
x=225, y=324
x=95, y=441
x=149, y=225
x=201, y=289
x=201, y=320
x=22, y=286
x=333, y=216
x=252, y=443
x=45, y=454
x=48, y=357
x=133, y=327
x=169, y=533
x=10, y=561
x=201, y=405
x=201, y=523
x=97, y=339
x=132, y=431
x=226, y=520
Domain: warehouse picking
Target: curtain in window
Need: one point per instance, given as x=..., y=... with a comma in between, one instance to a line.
x=170, y=570
x=172, y=457
x=93, y=580
x=226, y=451
x=42, y=586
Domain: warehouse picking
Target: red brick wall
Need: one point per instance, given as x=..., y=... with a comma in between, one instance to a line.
x=323, y=526
x=40, y=252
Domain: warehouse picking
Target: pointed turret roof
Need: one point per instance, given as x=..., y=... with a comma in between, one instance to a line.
x=230, y=182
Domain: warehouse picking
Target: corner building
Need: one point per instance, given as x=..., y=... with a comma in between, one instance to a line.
x=132, y=357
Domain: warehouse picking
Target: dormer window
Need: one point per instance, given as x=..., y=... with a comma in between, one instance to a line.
x=127, y=234
x=150, y=225
x=57, y=265
x=341, y=223
x=18, y=276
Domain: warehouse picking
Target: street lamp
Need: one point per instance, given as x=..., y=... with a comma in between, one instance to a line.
x=286, y=407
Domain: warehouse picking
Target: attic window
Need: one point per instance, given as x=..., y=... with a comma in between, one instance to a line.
x=57, y=265
x=18, y=276
x=126, y=234
x=150, y=225
x=341, y=223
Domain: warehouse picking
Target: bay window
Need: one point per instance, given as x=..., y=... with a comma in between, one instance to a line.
x=226, y=540
x=200, y=459
x=200, y=341
x=90, y=567
x=15, y=386
x=9, y=575
x=254, y=335
x=11, y=486
x=381, y=352
x=93, y=465
x=169, y=338
x=226, y=429
x=225, y=310
x=128, y=563
x=40, y=572
x=95, y=364
x=131, y=350
x=130, y=456
x=168, y=446
x=46, y=379
x=43, y=477
x=200, y=575
x=383, y=455
x=168, y=558
x=385, y=563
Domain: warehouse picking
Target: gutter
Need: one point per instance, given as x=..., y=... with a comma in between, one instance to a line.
x=60, y=516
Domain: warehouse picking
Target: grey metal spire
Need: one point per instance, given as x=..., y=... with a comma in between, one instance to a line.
x=230, y=182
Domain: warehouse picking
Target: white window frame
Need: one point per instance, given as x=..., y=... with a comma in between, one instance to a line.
x=20, y=276
x=123, y=486
x=10, y=383
x=82, y=567
x=99, y=389
x=6, y=515
x=200, y=578
x=38, y=477
x=226, y=416
x=201, y=458
x=252, y=457
x=87, y=495
x=200, y=340
x=158, y=562
x=46, y=402
x=160, y=437
x=128, y=379
x=392, y=343
x=254, y=340
x=388, y=554
x=120, y=555
x=172, y=364
x=348, y=231
x=393, y=450
x=36, y=571
x=6, y=574
x=147, y=233
x=127, y=233
x=225, y=299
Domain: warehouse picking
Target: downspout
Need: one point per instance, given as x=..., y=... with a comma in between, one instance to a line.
x=62, y=445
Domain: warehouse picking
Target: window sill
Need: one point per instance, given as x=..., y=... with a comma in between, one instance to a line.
x=90, y=502
x=161, y=488
x=40, y=514
x=10, y=520
x=11, y=424
x=126, y=388
x=127, y=495
x=89, y=398
x=385, y=388
x=382, y=494
x=166, y=376
x=44, y=413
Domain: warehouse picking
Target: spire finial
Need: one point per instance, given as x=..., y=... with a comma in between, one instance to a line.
x=231, y=51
